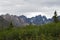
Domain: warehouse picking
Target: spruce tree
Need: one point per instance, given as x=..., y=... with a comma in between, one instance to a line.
x=55, y=18
x=11, y=25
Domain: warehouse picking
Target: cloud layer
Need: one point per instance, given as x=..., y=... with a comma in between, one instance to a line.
x=30, y=8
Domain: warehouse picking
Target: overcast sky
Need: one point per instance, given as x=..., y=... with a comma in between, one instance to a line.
x=30, y=8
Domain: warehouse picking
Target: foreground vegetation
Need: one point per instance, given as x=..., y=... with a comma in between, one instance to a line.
x=49, y=31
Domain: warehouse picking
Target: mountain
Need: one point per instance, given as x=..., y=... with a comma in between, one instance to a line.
x=3, y=23
x=59, y=18
x=23, y=20
x=26, y=20
x=16, y=20
x=38, y=20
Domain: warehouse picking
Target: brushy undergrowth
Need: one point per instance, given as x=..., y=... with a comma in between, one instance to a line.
x=50, y=31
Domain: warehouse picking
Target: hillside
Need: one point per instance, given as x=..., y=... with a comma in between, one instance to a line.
x=50, y=31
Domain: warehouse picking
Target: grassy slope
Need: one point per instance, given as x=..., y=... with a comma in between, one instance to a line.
x=49, y=31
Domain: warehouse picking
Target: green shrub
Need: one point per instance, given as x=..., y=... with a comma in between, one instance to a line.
x=50, y=31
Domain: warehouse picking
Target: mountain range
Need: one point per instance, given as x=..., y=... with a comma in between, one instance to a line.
x=23, y=20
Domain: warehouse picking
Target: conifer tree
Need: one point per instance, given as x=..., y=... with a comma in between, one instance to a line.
x=11, y=25
x=55, y=18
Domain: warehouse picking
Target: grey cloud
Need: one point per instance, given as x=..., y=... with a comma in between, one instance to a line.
x=22, y=6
